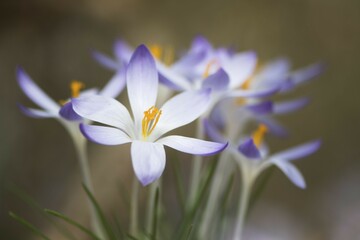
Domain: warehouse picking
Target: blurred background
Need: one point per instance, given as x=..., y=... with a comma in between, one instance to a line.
x=52, y=40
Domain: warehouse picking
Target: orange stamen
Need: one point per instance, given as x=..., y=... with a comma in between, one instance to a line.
x=259, y=134
x=149, y=121
x=75, y=87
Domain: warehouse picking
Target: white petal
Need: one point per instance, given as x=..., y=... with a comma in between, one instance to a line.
x=240, y=67
x=116, y=84
x=104, y=110
x=148, y=161
x=192, y=145
x=183, y=109
x=104, y=135
x=142, y=82
x=37, y=95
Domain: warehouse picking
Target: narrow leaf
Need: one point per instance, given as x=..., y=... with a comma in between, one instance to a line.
x=28, y=225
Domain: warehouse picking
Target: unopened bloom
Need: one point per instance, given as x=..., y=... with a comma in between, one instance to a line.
x=149, y=123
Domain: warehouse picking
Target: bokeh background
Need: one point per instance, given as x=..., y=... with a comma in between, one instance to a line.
x=52, y=40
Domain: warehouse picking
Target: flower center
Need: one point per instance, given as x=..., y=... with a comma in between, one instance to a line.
x=258, y=135
x=166, y=55
x=149, y=121
x=208, y=68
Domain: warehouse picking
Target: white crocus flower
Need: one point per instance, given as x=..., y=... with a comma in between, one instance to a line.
x=145, y=130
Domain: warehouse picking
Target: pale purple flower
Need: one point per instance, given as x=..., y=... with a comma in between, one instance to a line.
x=52, y=109
x=146, y=129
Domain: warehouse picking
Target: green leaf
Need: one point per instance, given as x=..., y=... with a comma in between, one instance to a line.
x=72, y=222
x=110, y=234
x=28, y=225
x=33, y=204
x=189, y=218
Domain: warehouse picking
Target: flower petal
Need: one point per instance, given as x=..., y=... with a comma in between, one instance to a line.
x=292, y=173
x=261, y=108
x=116, y=84
x=218, y=81
x=274, y=126
x=104, y=135
x=298, y=152
x=37, y=95
x=122, y=51
x=192, y=145
x=212, y=131
x=169, y=75
x=148, y=161
x=307, y=73
x=68, y=112
x=290, y=106
x=183, y=109
x=142, y=82
x=240, y=67
x=105, y=60
x=249, y=149
x=35, y=113
x=258, y=93
x=104, y=110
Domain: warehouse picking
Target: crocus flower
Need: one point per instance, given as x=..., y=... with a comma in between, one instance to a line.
x=145, y=130
x=53, y=109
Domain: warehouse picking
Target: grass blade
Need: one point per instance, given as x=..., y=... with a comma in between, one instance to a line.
x=72, y=222
x=110, y=234
x=28, y=225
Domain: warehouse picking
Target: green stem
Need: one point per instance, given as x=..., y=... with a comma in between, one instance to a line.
x=215, y=193
x=80, y=146
x=244, y=202
x=151, y=204
x=134, y=208
x=197, y=163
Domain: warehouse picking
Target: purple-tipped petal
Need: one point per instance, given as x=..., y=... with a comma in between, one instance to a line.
x=116, y=84
x=169, y=83
x=106, y=61
x=290, y=106
x=148, y=161
x=183, y=109
x=260, y=93
x=104, y=110
x=307, y=73
x=142, y=82
x=192, y=145
x=298, y=152
x=261, y=108
x=218, y=81
x=33, y=92
x=249, y=149
x=186, y=64
x=200, y=43
x=213, y=132
x=68, y=113
x=35, y=113
x=104, y=135
x=292, y=173
x=122, y=51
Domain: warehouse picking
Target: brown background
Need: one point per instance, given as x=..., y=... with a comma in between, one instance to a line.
x=53, y=39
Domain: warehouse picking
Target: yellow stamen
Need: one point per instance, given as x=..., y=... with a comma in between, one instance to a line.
x=166, y=55
x=156, y=51
x=75, y=87
x=258, y=135
x=149, y=121
x=208, y=68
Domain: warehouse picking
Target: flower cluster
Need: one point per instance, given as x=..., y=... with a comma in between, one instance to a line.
x=227, y=92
